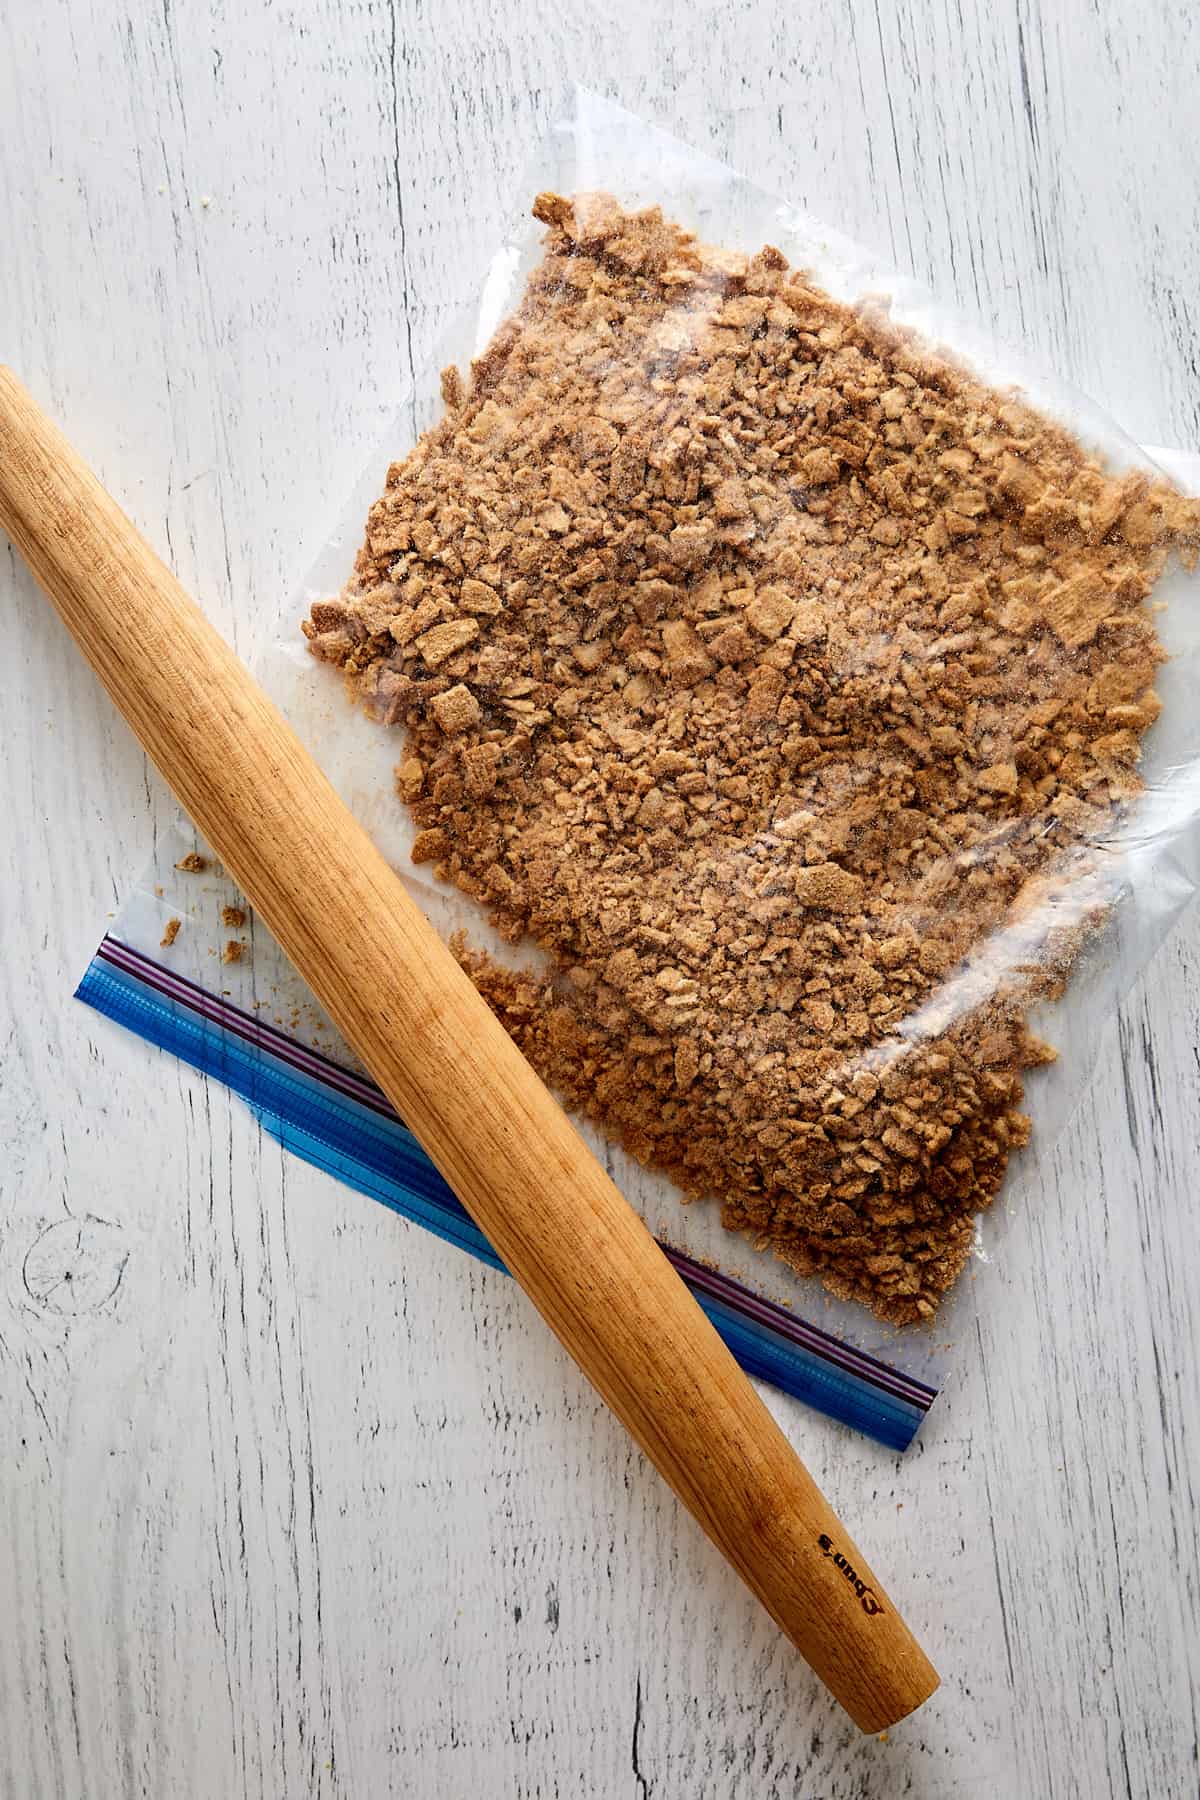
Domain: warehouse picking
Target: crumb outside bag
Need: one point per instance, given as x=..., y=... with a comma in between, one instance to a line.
x=1136, y=881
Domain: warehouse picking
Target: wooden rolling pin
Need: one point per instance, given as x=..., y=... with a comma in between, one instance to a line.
x=346, y=921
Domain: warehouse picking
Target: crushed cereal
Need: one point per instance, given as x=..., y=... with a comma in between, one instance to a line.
x=768, y=669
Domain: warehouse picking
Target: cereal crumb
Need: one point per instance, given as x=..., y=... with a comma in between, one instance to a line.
x=234, y=951
x=1000, y=778
x=170, y=933
x=826, y=885
x=193, y=863
x=429, y=846
x=456, y=710
x=233, y=916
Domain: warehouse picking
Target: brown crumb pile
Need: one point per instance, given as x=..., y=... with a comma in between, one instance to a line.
x=233, y=916
x=233, y=952
x=193, y=863
x=170, y=933
x=761, y=665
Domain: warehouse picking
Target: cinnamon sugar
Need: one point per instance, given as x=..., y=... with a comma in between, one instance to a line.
x=775, y=675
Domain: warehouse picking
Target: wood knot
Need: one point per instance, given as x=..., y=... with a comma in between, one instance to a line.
x=75, y=1266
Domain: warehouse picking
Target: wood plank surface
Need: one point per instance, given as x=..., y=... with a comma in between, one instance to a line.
x=294, y=1499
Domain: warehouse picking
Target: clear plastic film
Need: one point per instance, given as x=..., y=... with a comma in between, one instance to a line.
x=788, y=701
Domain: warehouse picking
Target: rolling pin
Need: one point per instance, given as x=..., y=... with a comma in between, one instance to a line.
x=507, y=1149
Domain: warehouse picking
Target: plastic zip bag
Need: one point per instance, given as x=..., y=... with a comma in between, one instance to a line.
x=1097, y=906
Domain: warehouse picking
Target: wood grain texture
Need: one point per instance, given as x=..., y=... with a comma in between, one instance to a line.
x=271, y=1509
x=505, y=1146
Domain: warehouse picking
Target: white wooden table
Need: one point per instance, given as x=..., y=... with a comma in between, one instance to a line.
x=294, y=1499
